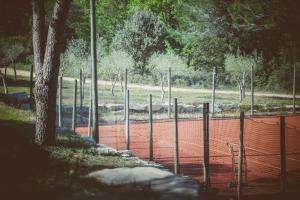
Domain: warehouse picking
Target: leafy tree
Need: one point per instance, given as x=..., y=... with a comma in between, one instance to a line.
x=142, y=36
x=13, y=51
x=112, y=66
x=239, y=68
x=161, y=63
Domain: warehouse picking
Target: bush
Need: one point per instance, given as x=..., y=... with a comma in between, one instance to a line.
x=141, y=37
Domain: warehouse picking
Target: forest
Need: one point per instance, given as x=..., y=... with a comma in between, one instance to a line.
x=190, y=36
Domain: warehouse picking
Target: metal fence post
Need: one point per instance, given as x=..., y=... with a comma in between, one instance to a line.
x=60, y=101
x=150, y=129
x=90, y=113
x=175, y=136
x=294, y=90
x=241, y=156
x=169, y=93
x=125, y=91
x=206, y=175
x=127, y=121
x=74, y=107
x=282, y=155
x=80, y=89
x=252, y=90
x=213, y=92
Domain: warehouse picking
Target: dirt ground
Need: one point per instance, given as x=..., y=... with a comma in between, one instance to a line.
x=262, y=151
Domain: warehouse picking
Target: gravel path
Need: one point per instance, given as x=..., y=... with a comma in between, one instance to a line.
x=157, y=88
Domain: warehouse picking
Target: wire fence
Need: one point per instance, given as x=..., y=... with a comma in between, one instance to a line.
x=262, y=160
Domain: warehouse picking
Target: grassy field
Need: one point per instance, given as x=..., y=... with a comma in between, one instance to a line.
x=141, y=96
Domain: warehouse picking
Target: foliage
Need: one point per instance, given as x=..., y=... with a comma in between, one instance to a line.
x=112, y=65
x=141, y=37
x=75, y=58
x=238, y=64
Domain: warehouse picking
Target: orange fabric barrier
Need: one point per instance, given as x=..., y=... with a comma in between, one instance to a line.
x=261, y=140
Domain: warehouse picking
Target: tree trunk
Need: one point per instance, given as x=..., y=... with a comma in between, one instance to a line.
x=5, y=71
x=4, y=83
x=47, y=73
x=113, y=84
x=15, y=71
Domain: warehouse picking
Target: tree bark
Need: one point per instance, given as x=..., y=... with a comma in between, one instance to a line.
x=47, y=67
x=14, y=68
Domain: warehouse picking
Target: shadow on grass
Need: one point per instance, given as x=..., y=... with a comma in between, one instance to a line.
x=17, y=83
x=21, y=160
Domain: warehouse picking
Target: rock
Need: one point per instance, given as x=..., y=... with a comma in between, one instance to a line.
x=217, y=108
x=138, y=108
x=126, y=153
x=20, y=96
x=188, y=108
x=156, y=108
x=68, y=109
x=124, y=176
x=115, y=107
x=227, y=107
x=25, y=106
x=176, y=187
x=169, y=186
x=104, y=150
x=17, y=99
x=89, y=140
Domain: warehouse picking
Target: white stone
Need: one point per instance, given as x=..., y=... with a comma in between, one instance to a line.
x=168, y=185
x=115, y=107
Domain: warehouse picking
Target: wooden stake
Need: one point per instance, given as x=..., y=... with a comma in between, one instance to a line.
x=94, y=71
x=90, y=113
x=282, y=155
x=206, y=173
x=127, y=122
x=74, y=107
x=125, y=91
x=150, y=129
x=80, y=89
x=240, y=157
x=175, y=136
x=252, y=91
x=169, y=93
x=294, y=90
x=213, y=92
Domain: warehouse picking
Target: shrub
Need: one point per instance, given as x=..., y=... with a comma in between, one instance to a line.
x=141, y=37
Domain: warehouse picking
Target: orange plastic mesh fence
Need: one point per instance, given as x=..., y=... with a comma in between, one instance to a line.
x=261, y=166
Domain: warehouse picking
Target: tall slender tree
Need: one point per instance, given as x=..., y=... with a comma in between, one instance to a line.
x=46, y=61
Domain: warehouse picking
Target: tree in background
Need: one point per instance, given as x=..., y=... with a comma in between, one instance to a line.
x=160, y=64
x=142, y=36
x=239, y=68
x=113, y=65
x=46, y=62
x=13, y=51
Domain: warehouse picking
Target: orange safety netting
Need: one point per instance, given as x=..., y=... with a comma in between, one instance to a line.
x=261, y=166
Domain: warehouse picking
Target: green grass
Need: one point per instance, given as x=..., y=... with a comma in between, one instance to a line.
x=141, y=96
x=29, y=171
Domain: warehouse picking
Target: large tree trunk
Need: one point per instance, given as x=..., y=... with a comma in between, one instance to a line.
x=38, y=39
x=48, y=72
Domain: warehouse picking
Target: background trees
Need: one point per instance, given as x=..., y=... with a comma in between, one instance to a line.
x=201, y=32
x=142, y=36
